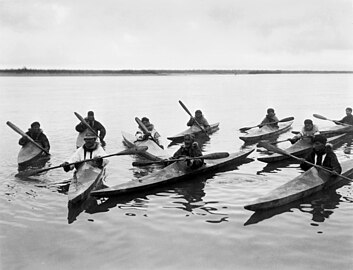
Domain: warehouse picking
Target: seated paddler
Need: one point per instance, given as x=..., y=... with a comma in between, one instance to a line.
x=91, y=149
x=322, y=155
x=200, y=119
x=141, y=134
x=348, y=119
x=270, y=119
x=190, y=148
x=36, y=133
x=308, y=132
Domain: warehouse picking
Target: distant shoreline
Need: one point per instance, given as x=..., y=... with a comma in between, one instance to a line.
x=152, y=72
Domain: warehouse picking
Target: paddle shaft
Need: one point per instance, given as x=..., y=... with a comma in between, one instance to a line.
x=189, y=113
x=324, y=118
x=283, y=152
x=83, y=121
x=146, y=131
x=208, y=156
x=19, y=131
x=279, y=121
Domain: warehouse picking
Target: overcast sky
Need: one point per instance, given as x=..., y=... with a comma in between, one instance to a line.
x=177, y=34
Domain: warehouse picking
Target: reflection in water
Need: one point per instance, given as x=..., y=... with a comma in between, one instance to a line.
x=75, y=209
x=277, y=166
x=320, y=205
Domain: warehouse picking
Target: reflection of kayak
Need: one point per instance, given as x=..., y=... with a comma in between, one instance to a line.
x=194, y=130
x=175, y=172
x=86, y=179
x=303, y=185
x=265, y=132
x=299, y=149
x=154, y=152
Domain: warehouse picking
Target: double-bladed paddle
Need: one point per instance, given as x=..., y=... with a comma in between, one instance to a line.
x=324, y=118
x=83, y=121
x=189, y=113
x=19, y=131
x=283, y=152
x=279, y=121
x=217, y=155
x=146, y=131
x=129, y=151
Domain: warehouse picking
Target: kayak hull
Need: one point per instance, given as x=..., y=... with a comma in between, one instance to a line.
x=176, y=172
x=154, y=152
x=194, y=130
x=335, y=130
x=301, y=186
x=299, y=149
x=30, y=155
x=265, y=132
x=86, y=179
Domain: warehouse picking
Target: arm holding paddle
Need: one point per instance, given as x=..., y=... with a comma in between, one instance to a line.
x=287, y=119
x=337, y=122
x=193, y=118
x=94, y=127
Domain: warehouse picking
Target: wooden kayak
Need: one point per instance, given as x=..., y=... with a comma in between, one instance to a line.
x=154, y=151
x=86, y=179
x=194, y=130
x=301, y=186
x=265, y=132
x=298, y=149
x=175, y=172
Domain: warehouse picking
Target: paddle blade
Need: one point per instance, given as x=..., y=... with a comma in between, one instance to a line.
x=319, y=116
x=217, y=155
x=184, y=107
x=246, y=128
x=272, y=148
x=132, y=151
x=286, y=119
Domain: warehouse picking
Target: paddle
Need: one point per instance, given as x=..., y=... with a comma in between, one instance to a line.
x=324, y=118
x=19, y=131
x=83, y=121
x=130, y=151
x=279, y=121
x=286, y=140
x=189, y=113
x=283, y=152
x=217, y=155
x=146, y=131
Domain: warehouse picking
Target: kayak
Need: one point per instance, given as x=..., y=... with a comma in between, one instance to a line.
x=80, y=141
x=154, y=151
x=86, y=179
x=175, y=172
x=31, y=155
x=194, y=130
x=265, y=132
x=338, y=129
x=301, y=186
x=298, y=149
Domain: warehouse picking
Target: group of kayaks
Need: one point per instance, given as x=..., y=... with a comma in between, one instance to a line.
x=88, y=180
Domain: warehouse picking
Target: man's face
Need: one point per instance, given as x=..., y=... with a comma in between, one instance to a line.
x=348, y=112
x=198, y=115
x=308, y=126
x=90, y=118
x=89, y=143
x=318, y=146
x=187, y=141
x=35, y=129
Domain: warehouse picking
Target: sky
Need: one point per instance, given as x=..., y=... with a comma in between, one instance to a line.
x=177, y=34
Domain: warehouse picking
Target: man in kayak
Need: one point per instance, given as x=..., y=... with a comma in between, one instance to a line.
x=308, y=131
x=36, y=133
x=141, y=135
x=348, y=119
x=95, y=125
x=200, y=119
x=90, y=149
x=190, y=148
x=269, y=119
x=322, y=155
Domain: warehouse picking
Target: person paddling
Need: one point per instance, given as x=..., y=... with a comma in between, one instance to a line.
x=348, y=119
x=90, y=149
x=190, y=148
x=141, y=135
x=270, y=119
x=322, y=155
x=36, y=133
x=308, y=132
x=95, y=125
x=200, y=119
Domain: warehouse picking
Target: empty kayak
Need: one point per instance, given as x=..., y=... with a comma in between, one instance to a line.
x=175, y=172
x=301, y=186
x=154, y=151
x=86, y=179
x=265, y=132
x=194, y=130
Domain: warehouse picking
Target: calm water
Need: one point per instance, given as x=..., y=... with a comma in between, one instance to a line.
x=200, y=224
